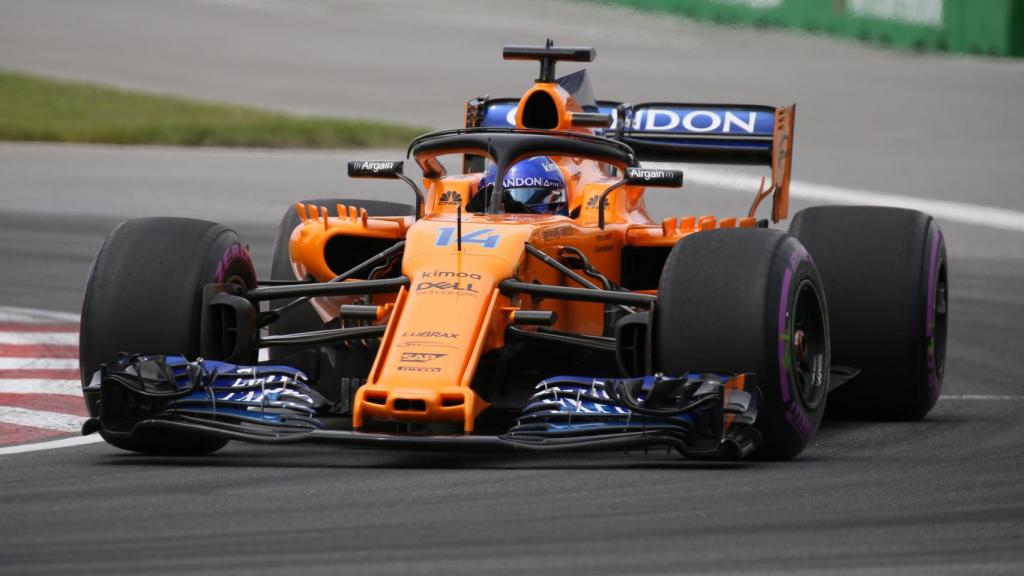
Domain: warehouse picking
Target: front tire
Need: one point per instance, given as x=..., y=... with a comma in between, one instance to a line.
x=749, y=300
x=144, y=295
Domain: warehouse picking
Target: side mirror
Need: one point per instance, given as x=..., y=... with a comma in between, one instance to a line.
x=391, y=169
x=388, y=170
x=654, y=177
x=590, y=120
x=649, y=177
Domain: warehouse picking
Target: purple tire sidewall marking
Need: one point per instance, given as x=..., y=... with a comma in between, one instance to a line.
x=795, y=414
x=234, y=252
x=783, y=325
x=933, y=276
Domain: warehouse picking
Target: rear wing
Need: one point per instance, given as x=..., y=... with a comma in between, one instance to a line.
x=688, y=133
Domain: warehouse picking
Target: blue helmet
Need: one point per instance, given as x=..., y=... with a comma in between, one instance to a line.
x=532, y=186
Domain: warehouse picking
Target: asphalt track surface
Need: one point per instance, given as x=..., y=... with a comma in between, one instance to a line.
x=933, y=497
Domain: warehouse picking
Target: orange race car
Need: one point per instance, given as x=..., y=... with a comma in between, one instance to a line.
x=525, y=299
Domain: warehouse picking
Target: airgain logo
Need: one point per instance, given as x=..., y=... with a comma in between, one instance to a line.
x=451, y=198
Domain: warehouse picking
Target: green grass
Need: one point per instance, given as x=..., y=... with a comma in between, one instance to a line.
x=41, y=110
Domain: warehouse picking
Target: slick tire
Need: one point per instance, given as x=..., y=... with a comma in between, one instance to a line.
x=885, y=273
x=749, y=300
x=304, y=317
x=144, y=295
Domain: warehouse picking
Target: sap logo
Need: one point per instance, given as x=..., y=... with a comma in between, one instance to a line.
x=451, y=198
x=646, y=174
x=660, y=120
x=485, y=237
x=377, y=166
x=448, y=335
x=449, y=287
x=446, y=274
x=420, y=356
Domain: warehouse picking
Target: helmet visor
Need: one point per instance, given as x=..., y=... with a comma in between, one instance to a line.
x=538, y=200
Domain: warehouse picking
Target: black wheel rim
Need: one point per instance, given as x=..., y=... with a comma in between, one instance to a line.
x=808, y=340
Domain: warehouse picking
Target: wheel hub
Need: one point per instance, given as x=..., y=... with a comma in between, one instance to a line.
x=800, y=344
x=809, y=343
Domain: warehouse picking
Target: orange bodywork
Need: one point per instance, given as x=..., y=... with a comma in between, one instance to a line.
x=453, y=312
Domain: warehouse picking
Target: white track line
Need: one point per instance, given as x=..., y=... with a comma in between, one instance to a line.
x=41, y=419
x=983, y=397
x=51, y=444
x=15, y=314
x=988, y=216
x=40, y=386
x=37, y=363
x=52, y=338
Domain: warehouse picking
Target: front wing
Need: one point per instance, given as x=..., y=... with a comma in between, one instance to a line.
x=697, y=415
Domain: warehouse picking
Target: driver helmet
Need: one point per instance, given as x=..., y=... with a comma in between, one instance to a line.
x=531, y=186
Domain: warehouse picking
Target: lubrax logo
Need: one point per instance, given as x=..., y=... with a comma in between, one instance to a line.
x=451, y=198
x=420, y=356
x=377, y=166
x=425, y=334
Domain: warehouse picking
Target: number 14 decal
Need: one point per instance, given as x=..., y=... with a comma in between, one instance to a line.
x=487, y=237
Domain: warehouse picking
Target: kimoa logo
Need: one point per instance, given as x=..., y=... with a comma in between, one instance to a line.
x=447, y=274
x=661, y=120
x=594, y=201
x=451, y=198
x=377, y=166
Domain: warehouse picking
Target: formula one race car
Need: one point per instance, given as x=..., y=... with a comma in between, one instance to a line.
x=525, y=300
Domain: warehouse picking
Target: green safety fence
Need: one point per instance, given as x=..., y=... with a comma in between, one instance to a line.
x=994, y=27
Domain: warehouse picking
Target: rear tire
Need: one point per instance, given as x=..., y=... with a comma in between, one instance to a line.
x=144, y=295
x=885, y=273
x=749, y=300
